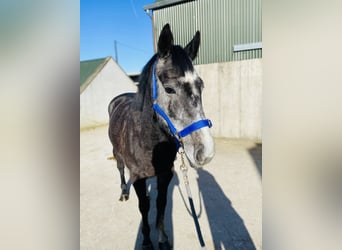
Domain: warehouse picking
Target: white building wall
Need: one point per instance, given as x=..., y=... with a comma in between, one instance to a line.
x=109, y=82
x=232, y=97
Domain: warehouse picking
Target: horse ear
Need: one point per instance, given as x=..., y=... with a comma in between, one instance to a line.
x=192, y=48
x=165, y=41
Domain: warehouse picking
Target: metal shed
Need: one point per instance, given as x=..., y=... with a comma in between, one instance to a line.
x=230, y=29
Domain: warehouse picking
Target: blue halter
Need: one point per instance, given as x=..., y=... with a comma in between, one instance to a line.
x=184, y=132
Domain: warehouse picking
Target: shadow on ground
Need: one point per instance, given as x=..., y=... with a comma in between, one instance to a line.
x=256, y=154
x=228, y=230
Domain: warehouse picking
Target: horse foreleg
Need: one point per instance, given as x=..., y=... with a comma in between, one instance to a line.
x=144, y=206
x=163, y=182
x=124, y=191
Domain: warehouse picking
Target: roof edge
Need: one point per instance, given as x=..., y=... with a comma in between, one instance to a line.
x=92, y=76
x=164, y=4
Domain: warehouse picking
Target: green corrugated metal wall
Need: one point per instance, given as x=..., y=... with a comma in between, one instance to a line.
x=223, y=24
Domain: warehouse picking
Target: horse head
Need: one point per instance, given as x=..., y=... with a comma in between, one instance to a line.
x=177, y=92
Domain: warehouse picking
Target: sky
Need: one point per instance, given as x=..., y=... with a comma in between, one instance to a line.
x=104, y=21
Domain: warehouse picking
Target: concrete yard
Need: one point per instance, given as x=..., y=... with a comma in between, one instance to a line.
x=227, y=195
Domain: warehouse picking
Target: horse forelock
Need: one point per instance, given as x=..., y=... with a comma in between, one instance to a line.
x=175, y=65
x=178, y=62
x=181, y=60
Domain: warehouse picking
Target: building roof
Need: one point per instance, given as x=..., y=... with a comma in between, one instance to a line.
x=164, y=4
x=89, y=69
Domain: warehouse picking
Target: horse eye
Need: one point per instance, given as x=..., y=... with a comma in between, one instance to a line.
x=170, y=90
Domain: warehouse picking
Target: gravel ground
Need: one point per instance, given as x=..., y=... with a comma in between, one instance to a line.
x=227, y=195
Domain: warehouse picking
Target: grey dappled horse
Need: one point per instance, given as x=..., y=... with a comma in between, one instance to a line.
x=146, y=128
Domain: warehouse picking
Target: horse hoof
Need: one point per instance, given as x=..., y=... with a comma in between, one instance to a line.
x=164, y=245
x=124, y=197
x=147, y=247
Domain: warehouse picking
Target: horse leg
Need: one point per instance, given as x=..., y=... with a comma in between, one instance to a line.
x=163, y=182
x=144, y=206
x=124, y=191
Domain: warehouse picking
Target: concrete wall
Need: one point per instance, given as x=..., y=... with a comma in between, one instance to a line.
x=232, y=97
x=94, y=100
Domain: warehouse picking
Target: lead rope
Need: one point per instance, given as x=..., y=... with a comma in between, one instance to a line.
x=184, y=170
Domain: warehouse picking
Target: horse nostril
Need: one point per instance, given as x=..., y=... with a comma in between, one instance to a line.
x=199, y=155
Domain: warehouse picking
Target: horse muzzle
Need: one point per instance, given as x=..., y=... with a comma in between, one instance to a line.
x=201, y=157
x=199, y=147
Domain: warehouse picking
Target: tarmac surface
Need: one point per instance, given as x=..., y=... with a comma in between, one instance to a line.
x=227, y=195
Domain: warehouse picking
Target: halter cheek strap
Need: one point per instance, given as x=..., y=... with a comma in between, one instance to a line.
x=184, y=132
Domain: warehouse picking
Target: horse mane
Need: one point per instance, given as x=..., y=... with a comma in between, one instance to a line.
x=144, y=86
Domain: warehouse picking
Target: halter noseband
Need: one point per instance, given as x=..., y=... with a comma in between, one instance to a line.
x=185, y=131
